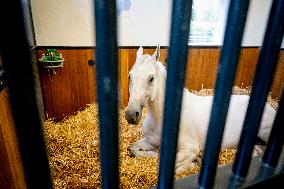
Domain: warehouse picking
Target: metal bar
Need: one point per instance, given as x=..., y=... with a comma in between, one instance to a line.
x=107, y=76
x=276, y=139
x=17, y=64
x=181, y=15
x=3, y=83
x=223, y=89
x=263, y=78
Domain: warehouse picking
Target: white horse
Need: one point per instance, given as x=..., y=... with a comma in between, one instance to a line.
x=147, y=85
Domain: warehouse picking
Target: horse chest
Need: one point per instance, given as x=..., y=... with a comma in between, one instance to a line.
x=152, y=130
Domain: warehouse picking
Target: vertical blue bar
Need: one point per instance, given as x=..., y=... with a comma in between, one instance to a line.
x=107, y=75
x=263, y=78
x=17, y=64
x=276, y=138
x=181, y=13
x=223, y=89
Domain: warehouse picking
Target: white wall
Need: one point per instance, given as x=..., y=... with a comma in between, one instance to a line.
x=63, y=22
x=256, y=22
x=145, y=22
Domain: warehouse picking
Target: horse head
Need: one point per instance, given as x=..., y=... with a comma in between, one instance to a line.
x=142, y=84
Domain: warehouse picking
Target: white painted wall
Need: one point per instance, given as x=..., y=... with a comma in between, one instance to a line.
x=63, y=22
x=147, y=22
x=256, y=22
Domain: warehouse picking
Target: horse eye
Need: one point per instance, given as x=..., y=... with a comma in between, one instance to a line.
x=129, y=77
x=151, y=79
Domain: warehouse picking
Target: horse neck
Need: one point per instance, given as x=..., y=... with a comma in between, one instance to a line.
x=156, y=106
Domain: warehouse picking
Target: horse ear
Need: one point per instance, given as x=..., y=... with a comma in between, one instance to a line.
x=156, y=54
x=139, y=52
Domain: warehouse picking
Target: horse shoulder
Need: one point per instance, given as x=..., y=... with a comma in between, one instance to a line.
x=235, y=118
x=194, y=117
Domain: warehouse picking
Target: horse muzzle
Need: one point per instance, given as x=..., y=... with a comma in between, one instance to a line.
x=133, y=116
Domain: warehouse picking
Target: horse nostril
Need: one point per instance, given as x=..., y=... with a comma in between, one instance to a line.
x=137, y=114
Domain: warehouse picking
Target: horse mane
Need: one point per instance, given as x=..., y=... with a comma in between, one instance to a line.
x=161, y=69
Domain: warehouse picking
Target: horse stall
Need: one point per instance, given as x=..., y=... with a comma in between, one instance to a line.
x=137, y=94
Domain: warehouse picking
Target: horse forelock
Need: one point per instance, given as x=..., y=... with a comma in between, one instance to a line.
x=143, y=58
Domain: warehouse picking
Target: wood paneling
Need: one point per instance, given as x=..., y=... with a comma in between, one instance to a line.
x=71, y=87
x=203, y=64
x=201, y=68
x=126, y=57
x=278, y=82
x=11, y=169
x=246, y=68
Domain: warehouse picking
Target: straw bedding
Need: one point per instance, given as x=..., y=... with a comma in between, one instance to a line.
x=73, y=151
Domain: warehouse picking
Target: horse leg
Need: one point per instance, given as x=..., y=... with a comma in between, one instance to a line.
x=258, y=150
x=142, y=148
x=186, y=158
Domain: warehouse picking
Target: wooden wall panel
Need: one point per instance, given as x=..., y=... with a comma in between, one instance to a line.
x=278, y=82
x=11, y=168
x=203, y=64
x=6, y=178
x=72, y=87
x=126, y=57
x=201, y=68
x=246, y=68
